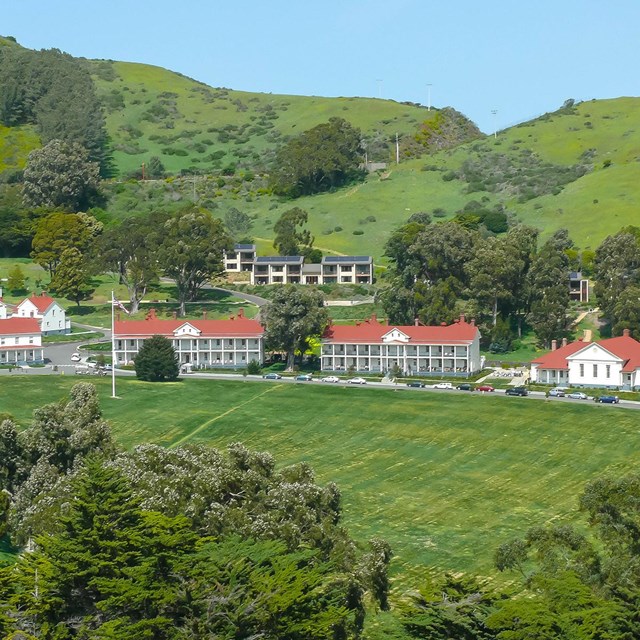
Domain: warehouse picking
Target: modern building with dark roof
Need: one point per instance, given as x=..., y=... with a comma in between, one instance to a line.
x=372, y=346
x=231, y=343
x=612, y=363
x=347, y=269
x=240, y=259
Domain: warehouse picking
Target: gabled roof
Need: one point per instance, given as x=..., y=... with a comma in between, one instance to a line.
x=235, y=327
x=623, y=347
x=41, y=302
x=371, y=331
x=18, y=326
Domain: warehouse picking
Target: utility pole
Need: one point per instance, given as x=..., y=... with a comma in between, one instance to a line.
x=494, y=112
x=429, y=85
x=397, y=150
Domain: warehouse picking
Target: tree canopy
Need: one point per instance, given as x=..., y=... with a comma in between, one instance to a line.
x=157, y=361
x=319, y=159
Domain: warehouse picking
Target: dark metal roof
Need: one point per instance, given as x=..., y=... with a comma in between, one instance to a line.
x=351, y=259
x=245, y=247
x=279, y=259
x=575, y=275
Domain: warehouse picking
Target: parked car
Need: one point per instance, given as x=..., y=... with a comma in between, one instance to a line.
x=356, y=381
x=607, y=399
x=272, y=376
x=485, y=387
x=304, y=377
x=443, y=385
x=517, y=391
x=330, y=379
x=465, y=386
x=416, y=383
x=76, y=357
x=558, y=392
x=578, y=395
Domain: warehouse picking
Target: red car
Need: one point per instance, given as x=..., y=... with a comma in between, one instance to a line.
x=485, y=387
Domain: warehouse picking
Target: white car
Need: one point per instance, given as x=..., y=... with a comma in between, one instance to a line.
x=443, y=385
x=357, y=381
x=76, y=357
x=330, y=379
x=578, y=395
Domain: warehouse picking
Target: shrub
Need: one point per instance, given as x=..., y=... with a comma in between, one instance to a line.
x=157, y=361
x=358, y=232
x=254, y=368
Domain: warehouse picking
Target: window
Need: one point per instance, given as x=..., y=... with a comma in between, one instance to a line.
x=595, y=370
x=582, y=371
x=608, y=371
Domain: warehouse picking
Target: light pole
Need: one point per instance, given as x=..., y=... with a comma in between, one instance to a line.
x=494, y=112
x=429, y=85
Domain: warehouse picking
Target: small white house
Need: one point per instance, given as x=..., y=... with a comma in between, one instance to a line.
x=613, y=363
x=20, y=341
x=50, y=314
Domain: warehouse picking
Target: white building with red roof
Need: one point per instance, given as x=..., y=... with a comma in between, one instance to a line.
x=371, y=346
x=50, y=314
x=20, y=341
x=611, y=363
x=205, y=344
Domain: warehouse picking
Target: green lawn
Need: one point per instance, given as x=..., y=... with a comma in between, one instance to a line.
x=445, y=478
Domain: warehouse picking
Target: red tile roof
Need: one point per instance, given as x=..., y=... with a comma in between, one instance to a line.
x=237, y=326
x=371, y=331
x=41, y=302
x=623, y=347
x=18, y=326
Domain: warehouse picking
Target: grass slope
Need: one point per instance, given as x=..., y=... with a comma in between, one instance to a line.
x=445, y=478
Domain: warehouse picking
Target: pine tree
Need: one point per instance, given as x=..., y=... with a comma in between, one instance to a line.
x=157, y=361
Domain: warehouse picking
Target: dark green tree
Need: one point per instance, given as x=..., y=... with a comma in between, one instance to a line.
x=292, y=316
x=60, y=175
x=291, y=236
x=157, y=361
x=189, y=251
x=319, y=159
x=238, y=224
x=72, y=278
x=15, y=280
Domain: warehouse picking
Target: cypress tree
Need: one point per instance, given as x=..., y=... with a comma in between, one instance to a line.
x=157, y=361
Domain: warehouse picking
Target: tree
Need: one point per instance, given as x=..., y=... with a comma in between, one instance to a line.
x=156, y=169
x=129, y=251
x=72, y=278
x=549, y=291
x=238, y=224
x=292, y=316
x=60, y=175
x=15, y=280
x=190, y=249
x=319, y=159
x=157, y=361
x=291, y=238
x=54, y=234
x=625, y=313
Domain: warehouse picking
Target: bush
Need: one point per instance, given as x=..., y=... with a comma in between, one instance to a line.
x=358, y=232
x=254, y=368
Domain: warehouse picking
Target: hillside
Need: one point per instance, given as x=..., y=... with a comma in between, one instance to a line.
x=575, y=168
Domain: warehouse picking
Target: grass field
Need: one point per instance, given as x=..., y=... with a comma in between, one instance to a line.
x=445, y=478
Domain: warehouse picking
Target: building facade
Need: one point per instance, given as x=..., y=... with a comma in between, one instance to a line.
x=347, y=270
x=373, y=347
x=50, y=314
x=578, y=287
x=201, y=344
x=21, y=341
x=613, y=363
x=277, y=270
x=240, y=259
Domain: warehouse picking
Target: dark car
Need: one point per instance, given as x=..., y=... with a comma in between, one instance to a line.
x=517, y=391
x=416, y=383
x=465, y=386
x=304, y=377
x=272, y=376
x=608, y=399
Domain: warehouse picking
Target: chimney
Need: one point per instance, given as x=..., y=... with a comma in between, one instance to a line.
x=462, y=317
x=43, y=293
x=175, y=315
x=118, y=315
x=473, y=322
x=564, y=342
x=416, y=322
x=204, y=315
x=443, y=324
x=241, y=313
x=626, y=333
x=374, y=320
x=554, y=345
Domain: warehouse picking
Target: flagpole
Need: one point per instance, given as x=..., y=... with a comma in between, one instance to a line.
x=113, y=350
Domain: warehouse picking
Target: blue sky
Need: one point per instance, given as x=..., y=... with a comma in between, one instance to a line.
x=518, y=57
